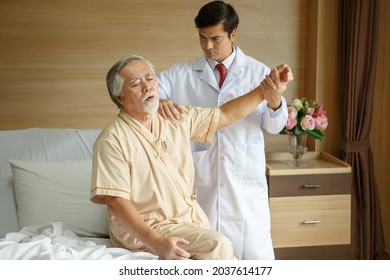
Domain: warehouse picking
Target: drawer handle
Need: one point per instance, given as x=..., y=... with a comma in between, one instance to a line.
x=311, y=222
x=312, y=186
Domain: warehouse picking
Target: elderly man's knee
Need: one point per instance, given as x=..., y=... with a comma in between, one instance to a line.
x=223, y=247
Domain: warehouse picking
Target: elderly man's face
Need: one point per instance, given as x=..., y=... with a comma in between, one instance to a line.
x=140, y=89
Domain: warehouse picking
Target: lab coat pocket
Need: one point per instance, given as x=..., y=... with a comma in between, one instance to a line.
x=202, y=169
x=249, y=167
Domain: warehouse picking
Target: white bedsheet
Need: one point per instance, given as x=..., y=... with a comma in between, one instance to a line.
x=53, y=242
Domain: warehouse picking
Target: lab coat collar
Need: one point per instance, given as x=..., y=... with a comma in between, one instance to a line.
x=240, y=60
x=207, y=74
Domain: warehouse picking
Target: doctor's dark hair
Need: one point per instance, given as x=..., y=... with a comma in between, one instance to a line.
x=216, y=12
x=115, y=81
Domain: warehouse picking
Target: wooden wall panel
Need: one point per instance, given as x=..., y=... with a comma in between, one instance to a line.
x=54, y=54
x=328, y=74
x=380, y=130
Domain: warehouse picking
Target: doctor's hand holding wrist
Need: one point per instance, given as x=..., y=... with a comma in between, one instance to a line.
x=277, y=80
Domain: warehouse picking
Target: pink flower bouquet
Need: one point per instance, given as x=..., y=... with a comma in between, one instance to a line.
x=306, y=116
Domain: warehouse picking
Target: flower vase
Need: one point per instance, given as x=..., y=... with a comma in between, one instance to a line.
x=297, y=147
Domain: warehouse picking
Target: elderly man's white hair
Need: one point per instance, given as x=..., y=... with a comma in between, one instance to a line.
x=115, y=81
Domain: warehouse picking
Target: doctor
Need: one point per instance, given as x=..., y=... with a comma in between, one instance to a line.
x=230, y=172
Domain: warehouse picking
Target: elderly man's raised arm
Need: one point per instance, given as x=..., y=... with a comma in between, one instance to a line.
x=271, y=89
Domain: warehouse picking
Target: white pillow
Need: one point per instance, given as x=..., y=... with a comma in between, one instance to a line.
x=58, y=191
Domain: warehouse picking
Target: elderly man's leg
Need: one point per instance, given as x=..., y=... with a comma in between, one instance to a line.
x=205, y=244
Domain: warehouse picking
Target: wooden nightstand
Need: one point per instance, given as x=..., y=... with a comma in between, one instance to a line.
x=310, y=207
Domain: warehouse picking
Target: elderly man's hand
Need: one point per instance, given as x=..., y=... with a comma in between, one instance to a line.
x=168, y=248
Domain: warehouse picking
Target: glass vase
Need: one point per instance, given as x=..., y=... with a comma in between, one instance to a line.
x=297, y=147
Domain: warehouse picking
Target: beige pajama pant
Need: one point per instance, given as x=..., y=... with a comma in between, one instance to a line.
x=204, y=243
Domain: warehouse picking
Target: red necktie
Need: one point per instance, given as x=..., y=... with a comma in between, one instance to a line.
x=222, y=72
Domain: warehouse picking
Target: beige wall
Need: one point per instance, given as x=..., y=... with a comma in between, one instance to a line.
x=54, y=56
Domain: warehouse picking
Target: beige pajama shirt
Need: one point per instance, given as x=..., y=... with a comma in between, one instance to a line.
x=154, y=170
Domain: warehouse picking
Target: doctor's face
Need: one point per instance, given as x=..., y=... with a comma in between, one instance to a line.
x=140, y=89
x=215, y=42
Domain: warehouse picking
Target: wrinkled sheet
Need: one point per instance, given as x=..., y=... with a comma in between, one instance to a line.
x=52, y=242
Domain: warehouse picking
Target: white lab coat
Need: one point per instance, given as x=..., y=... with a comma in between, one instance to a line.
x=230, y=172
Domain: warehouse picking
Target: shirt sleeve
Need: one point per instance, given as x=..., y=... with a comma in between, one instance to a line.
x=276, y=113
x=204, y=122
x=274, y=121
x=164, y=84
x=110, y=172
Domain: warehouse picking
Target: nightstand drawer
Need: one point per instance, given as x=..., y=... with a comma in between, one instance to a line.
x=310, y=221
x=312, y=184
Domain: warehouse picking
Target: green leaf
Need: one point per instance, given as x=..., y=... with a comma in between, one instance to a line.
x=284, y=131
x=298, y=130
x=316, y=133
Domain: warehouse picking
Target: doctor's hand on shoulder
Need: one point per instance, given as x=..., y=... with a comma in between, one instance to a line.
x=275, y=84
x=170, y=110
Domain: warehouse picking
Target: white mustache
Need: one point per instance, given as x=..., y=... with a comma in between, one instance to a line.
x=147, y=95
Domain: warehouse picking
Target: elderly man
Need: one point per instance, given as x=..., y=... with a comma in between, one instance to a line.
x=143, y=169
